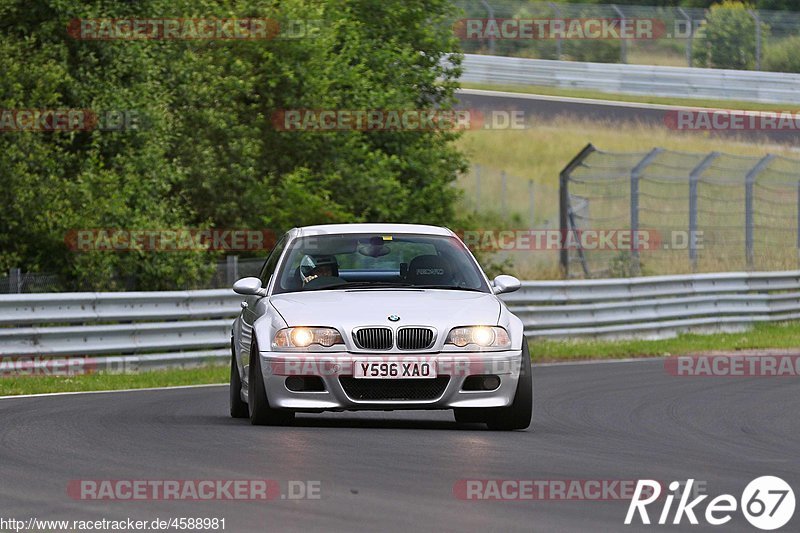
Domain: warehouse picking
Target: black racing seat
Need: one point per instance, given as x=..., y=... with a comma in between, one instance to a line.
x=429, y=270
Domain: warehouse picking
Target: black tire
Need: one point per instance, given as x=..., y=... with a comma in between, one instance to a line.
x=238, y=406
x=261, y=414
x=517, y=415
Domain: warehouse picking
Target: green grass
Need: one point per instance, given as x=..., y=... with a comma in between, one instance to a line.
x=762, y=336
x=600, y=95
x=102, y=381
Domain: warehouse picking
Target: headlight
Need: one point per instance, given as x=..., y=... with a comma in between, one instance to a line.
x=304, y=337
x=483, y=336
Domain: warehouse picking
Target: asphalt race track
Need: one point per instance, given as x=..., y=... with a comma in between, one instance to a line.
x=396, y=470
x=541, y=107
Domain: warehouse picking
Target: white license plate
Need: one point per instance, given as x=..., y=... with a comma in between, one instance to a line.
x=372, y=369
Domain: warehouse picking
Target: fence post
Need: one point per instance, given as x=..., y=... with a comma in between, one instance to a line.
x=636, y=174
x=694, y=178
x=531, y=208
x=749, y=182
x=563, y=203
x=477, y=187
x=15, y=280
x=232, y=267
x=690, y=37
x=623, y=49
x=757, y=19
x=489, y=12
x=557, y=12
x=503, y=186
x=798, y=219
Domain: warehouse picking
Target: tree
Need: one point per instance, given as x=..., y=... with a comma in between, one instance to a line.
x=207, y=153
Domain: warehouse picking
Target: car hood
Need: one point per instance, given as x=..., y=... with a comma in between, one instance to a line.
x=347, y=309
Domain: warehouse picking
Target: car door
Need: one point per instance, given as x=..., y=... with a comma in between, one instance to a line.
x=250, y=307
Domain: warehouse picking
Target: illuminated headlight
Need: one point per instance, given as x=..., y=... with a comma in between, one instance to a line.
x=483, y=336
x=304, y=337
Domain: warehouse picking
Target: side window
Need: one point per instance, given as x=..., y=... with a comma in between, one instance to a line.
x=272, y=261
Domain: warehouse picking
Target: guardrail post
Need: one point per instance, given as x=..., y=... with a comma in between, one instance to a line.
x=749, y=182
x=563, y=203
x=232, y=265
x=694, y=178
x=623, y=49
x=636, y=174
x=798, y=219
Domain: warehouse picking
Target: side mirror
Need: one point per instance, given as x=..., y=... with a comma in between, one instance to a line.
x=503, y=284
x=249, y=287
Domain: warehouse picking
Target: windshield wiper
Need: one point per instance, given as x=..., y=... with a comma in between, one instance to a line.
x=451, y=287
x=389, y=285
x=366, y=285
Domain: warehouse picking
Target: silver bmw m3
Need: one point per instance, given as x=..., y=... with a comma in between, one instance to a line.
x=378, y=317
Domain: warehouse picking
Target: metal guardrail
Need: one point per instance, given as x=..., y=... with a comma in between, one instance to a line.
x=679, y=82
x=657, y=306
x=151, y=331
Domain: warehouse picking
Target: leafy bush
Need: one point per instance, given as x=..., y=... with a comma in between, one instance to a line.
x=783, y=56
x=728, y=39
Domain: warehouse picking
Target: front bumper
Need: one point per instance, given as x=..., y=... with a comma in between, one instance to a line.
x=330, y=367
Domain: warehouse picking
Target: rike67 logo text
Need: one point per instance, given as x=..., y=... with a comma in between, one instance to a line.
x=767, y=503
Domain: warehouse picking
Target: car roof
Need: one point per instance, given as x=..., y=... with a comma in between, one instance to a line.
x=421, y=229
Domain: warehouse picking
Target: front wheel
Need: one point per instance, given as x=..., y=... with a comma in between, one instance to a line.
x=238, y=407
x=261, y=414
x=517, y=415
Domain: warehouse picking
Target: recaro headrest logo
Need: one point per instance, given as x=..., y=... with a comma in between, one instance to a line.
x=430, y=272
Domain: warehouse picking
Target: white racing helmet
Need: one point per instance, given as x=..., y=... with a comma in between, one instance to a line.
x=309, y=263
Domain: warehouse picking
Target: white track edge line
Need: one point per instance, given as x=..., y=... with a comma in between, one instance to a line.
x=177, y=387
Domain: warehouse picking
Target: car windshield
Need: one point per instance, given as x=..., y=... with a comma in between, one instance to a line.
x=375, y=261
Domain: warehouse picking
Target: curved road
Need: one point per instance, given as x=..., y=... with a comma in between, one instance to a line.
x=396, y=470
x=542, y=107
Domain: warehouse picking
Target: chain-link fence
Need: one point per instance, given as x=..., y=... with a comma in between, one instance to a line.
x=507, y=198
x=681, y=212
x=764, y=39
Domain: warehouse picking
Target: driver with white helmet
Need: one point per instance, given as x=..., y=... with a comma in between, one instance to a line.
x=317, y=266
